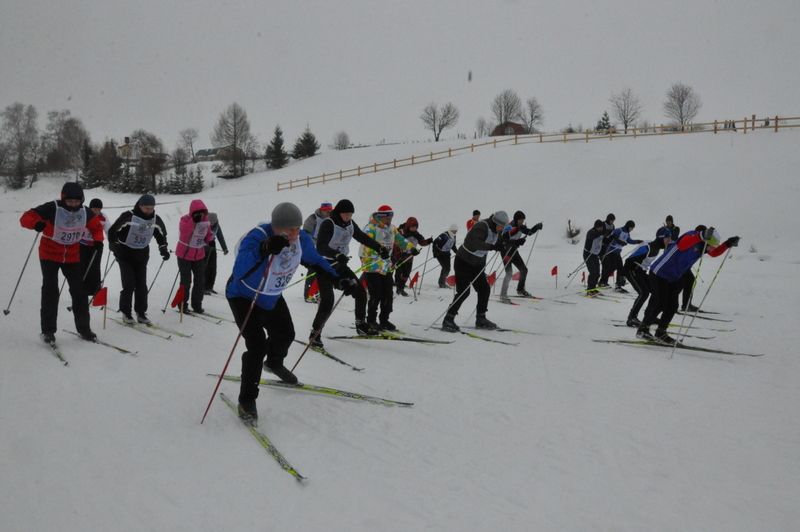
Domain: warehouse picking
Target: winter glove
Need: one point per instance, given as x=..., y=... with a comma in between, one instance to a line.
x=114, y=247
x=385, y=253
x=39, y=226
x=520, y=242
x=708, y=234
x=274, y=245
x=224, y=251
x=414, y=252
x=537, y=227
x=341, y=259
x=732, y=242
x=347, y=285
x=498, y=246
x=164, y=252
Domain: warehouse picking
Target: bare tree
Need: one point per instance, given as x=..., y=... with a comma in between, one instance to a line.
x=481, y=127
x=507, y=107
x=188, y=136
x=63, y=141
x=438, y=119
x=151, y=157
x=626, y=107
x=341, y=141
x=180, y=157
x=22, y=138
x=682, y=104
x=534, y=114
x=232, y=131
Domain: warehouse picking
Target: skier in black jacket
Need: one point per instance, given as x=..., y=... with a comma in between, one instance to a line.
x=333, y=243
x=591, y=254
x=129, y=239
x=410, y=232
x=608, y=228
x=635, y=270
x=443, y=246
x=513, y=238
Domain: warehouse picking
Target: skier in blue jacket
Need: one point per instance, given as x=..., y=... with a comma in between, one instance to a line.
x=612, y=260
x=266, y=259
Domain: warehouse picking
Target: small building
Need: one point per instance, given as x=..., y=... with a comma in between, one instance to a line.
x=509, y=128
x=218, y=154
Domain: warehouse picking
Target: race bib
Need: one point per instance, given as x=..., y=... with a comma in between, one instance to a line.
x=198, y=239
x=140, y=232
x=282, y=270
x=69, y=226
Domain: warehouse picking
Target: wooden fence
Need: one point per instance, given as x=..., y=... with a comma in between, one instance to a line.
x=744, y=126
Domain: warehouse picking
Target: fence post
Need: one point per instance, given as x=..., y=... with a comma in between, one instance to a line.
x=323, y=178
x=540, y=138
x=308, y=181
x=587, y=136
x=340, y=175
x=515, y=138
x=776, y=123
x=495, y=143
x=610, y=134
x=661, y=128
x=449, y=152
x=744, y=126
x=634, y=132
x=412, y=160
x=753, y=123
x=431, y=156
x=565, y=136
x=472, y=147
x=375, y=168
x=715, y=127
x=359, y=171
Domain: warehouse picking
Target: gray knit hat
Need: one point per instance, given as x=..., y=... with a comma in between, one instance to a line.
x=500, y=217
x=286, y=215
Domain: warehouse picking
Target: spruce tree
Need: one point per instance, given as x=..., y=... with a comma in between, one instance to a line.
x=604, y=124
x=306, y=145
x=276, y=156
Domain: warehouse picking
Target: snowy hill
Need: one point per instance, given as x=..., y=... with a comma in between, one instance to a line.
x=555, y=433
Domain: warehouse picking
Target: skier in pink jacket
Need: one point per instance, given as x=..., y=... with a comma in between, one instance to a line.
x=194, y=232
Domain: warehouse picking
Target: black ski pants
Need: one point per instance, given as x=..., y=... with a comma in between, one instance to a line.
x=639, y=281
x=91, y=257
x=444, y=262
x=49, y=306
x=663, y=301
x=593, y=265
x=196, y=268
x=467, y=273
x=133, y=272
x=688, y=286
x=381, y=294
x=403, y=272
x=268, y=333
x=515, y=260
x=612, y=262
x=211, y=265
x=326, y=296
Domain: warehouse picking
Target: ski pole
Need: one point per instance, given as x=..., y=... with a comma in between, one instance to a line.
x=469, y=316
x=572, y=275
x=156, y=276
x=317, y=332
x=103, y=280
x=83, y=279
x=164, y=310
x=239, y=334
x=459, y=295
x=681, y=332
x=7, y=310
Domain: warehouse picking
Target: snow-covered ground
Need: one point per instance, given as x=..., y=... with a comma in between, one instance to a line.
x=557, y=433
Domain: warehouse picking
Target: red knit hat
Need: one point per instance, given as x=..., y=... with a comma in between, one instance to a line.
x=385, y=210
x=412, y=222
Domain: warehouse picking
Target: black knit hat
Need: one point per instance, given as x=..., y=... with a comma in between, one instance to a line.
x=476, y=212
x=610, y=217
x=343, y=206
x=519, y=215
x=630, y=224
x=146, y=200
x=96, y=203
x=72, y=190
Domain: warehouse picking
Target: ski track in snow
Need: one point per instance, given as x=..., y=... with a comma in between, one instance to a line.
x=558, y=433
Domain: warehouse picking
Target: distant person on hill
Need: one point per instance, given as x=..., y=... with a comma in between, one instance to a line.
x=311, y=226
x=476, y=215
x=211, y=252
x=470, y=268
x=666, y=274
x=443, y=246
x=404, y=259
x=129, y=239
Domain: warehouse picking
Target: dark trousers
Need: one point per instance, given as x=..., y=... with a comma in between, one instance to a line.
x=268, y=333
x=91, y=256
x=308, y=283
x=444, y=262
x=465, y=273
x=638, y=278
x=381, y=294
x=663, y=300
x=612, y=262
x=196, y=268
x=80, y=303
x=593, y=265
x=515, y=260
x=403, y=272
x=688, y=286
x=326, y=297
x=133, y=273
x=211, y=265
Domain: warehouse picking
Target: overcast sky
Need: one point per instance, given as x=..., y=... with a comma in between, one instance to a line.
x=369, y=67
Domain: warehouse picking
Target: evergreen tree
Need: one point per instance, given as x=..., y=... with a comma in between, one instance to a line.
x=306, y=145
x=276, y=156
x=89, y=175
x=604, y=124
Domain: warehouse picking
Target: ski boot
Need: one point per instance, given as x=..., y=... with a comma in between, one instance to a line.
x=523, y=293
x=449, y=324
x=387, y=325
x=198, y=310
x=314, y=340
x=621, y=290
x=633, y=322
x=643, y=333
x=185, y=309
x=402, y=291
x=505, y=299
x=364, y=328
x=49, y=338
x=663, y=338
x=143, y=319
x=127, y=319
x=443, y=285
x=88, y=335
x=280, y=371
x=689, y=308
x=248, y=413
x=482, y=322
